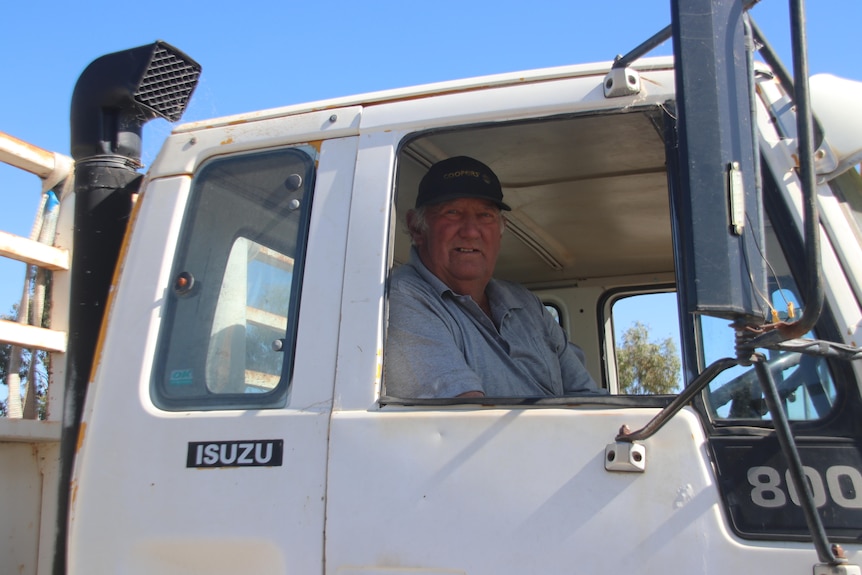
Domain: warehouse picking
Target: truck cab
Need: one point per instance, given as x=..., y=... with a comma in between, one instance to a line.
x=237, y=416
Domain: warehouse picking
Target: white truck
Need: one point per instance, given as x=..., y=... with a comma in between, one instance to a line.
x=218, y=326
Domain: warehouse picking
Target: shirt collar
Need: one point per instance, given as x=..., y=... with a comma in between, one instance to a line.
x=425, y=273
x=496, y=294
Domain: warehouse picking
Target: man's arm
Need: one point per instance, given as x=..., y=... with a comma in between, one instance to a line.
x=422, y=358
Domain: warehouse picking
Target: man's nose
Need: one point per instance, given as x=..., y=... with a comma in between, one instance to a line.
x=469, y=227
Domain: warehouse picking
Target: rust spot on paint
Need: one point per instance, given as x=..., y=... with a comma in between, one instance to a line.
x=81, y=432
x=226, y=141
x=74, y=492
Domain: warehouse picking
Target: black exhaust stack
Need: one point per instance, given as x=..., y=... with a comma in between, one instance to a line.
x=113, y=99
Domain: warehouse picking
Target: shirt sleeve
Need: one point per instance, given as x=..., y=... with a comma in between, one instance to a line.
x=575, y=376
x=422, y=358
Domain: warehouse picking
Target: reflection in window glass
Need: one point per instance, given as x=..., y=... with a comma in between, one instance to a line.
x=804, y=384
x=250, y=317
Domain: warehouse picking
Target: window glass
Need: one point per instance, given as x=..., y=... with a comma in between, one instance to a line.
x=804, y=382
x=646, y=344
x=231, y=312
x=555, y=312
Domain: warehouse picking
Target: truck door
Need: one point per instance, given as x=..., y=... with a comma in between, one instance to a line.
x=529, y=484
x=517, y=484
x=205, y=435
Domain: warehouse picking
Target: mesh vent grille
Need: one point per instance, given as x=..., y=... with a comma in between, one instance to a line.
x=168, y=83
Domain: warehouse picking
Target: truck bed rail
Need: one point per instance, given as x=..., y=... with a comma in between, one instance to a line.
x=44, y=256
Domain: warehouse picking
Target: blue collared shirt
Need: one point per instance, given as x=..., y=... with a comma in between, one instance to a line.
x=441, y=344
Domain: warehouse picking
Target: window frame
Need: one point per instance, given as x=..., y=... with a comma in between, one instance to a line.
x=299, y=201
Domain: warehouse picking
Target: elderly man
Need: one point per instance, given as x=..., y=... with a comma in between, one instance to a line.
x=453, y=330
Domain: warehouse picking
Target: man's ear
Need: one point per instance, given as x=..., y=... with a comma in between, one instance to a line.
x=412, y=228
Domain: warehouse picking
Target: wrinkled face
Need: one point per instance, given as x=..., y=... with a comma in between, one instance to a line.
x=460, y=242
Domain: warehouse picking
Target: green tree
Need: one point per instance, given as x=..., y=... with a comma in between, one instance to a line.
x=646, y=367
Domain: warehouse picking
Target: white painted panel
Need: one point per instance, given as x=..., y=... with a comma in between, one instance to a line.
x=20, y=503
x=494, y=490
x=562, y=96
x=136, y=507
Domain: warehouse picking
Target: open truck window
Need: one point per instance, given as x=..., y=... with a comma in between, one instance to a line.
x=232, y=307
x=590, y=209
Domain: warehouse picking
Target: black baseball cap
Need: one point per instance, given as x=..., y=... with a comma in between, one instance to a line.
x=460, y=177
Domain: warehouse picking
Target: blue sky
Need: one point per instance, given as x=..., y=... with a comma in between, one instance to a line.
x=260, y=54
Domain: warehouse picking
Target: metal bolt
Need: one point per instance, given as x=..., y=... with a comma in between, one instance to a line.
x=293, y=182
x=333, y=118
x=838, y=551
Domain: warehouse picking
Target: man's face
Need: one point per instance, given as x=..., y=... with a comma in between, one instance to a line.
x=461, y=242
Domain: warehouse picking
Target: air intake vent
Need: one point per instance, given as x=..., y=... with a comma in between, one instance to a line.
x=118, y=93
x=168, y=82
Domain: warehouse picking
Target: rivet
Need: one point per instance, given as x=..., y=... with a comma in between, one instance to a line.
x=293, y=182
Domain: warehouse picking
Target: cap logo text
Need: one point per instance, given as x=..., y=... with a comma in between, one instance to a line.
x=460, y=173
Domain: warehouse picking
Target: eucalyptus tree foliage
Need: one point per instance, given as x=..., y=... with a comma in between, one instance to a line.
x=647, y=367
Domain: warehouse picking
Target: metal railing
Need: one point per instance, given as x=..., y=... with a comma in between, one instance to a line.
x=42, y=316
